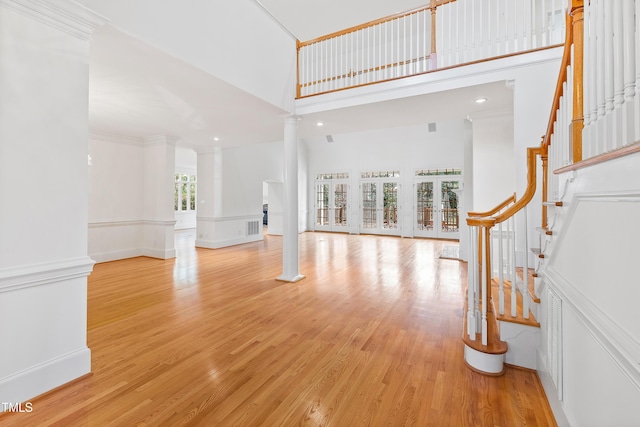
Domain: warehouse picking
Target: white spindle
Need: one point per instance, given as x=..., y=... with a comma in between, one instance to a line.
x=608, y=50
x=636, y=101
x=525, y=268
x=512, y=270
x=472, y=269
x=600, y=73
x=500, y=270
x=483, y=283
x=628, y=72
x=593, y=80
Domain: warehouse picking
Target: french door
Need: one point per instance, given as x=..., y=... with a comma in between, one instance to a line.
x=436, y=204
x=380, y=210
x=332, y=206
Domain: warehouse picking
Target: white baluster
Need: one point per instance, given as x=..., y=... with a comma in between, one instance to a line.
x=629, y=71
x=512, y=271
x=500, y=270
x=483, y=283
x=600, y=73
x=525, y=268
x=608, y=50
x=586, y=79
x=593, y=81
x=368, y=54
x=472, y=269
x=636, y=101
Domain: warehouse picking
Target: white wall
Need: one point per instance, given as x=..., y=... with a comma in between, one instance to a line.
x=44, y=55
x=235, y=40
x=130, y=197
x=116, y=194
x=494, y=172
x=403, y=148
x=591, y=347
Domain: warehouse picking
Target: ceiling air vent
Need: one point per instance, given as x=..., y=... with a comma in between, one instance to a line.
x=432, y=127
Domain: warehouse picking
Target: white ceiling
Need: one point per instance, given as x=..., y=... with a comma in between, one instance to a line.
x=310, y=19
x=139, y=91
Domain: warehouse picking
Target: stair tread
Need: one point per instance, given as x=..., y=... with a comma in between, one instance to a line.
x=506, y=317
x=538, y=252
x=545, y=230
x=553, y=203
x=532, y=276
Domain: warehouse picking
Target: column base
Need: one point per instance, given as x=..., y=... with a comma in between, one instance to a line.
x=293, y=279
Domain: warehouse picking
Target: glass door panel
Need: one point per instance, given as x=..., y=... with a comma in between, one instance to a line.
x=322, y=206
x=390, y=205
x=449, y=206
x=436, y=207
x=369, y=206
x=340, y=198
x=424, y=206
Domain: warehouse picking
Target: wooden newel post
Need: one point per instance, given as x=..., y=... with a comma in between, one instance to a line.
x=576, y=10
x=298, y=85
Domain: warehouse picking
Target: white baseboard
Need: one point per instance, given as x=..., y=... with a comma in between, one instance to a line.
x=116, y=255
x=159, y=253
x=217, y=244
x=32, y=382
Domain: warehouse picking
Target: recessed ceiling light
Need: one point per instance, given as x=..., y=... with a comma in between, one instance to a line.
x=481, y=100
x=320, y=124
x=215, y=138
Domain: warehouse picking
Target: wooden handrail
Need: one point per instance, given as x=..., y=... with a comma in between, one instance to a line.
x=510, y=199
x=529, y=192
x=532, y=152
x=562, y=78
x=355, y=28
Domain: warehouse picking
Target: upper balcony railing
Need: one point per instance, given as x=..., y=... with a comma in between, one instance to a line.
x=442, y=34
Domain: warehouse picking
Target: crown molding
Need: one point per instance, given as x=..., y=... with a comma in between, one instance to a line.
x=113, y=137
x=160, y=139
x=64, y=15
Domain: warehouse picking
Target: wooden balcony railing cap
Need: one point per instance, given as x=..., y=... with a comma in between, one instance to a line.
x=432, y=4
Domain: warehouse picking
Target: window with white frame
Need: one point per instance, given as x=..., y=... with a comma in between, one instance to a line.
x=184, y=199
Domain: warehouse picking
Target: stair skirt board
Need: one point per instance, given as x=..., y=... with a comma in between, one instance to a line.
x=485, y=363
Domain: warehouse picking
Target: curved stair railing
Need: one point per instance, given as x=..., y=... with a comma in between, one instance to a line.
x=493, y=237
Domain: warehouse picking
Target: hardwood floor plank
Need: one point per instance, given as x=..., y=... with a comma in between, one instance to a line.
x=372, y=336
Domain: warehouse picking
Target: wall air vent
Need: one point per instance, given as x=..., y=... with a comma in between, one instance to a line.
x=432, y=127
x=253, y=228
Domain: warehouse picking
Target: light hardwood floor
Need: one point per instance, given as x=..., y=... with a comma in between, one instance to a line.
x=372, y=336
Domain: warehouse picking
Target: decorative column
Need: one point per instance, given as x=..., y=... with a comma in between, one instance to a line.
x=44, y=87
x=159, y=216
x=290, y=254
x=209, y=195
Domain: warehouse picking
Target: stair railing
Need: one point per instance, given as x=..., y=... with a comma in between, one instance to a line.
x=482, y=262
x=444, y=33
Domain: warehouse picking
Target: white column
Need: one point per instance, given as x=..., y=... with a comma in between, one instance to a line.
x=209, y=195
x=290, y=255
x=159, y=217
x=44, y=74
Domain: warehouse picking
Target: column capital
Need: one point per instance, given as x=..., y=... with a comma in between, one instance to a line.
x=290, y=117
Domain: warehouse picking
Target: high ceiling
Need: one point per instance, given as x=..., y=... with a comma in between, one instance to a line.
x=309, y=19
x=137, y=90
